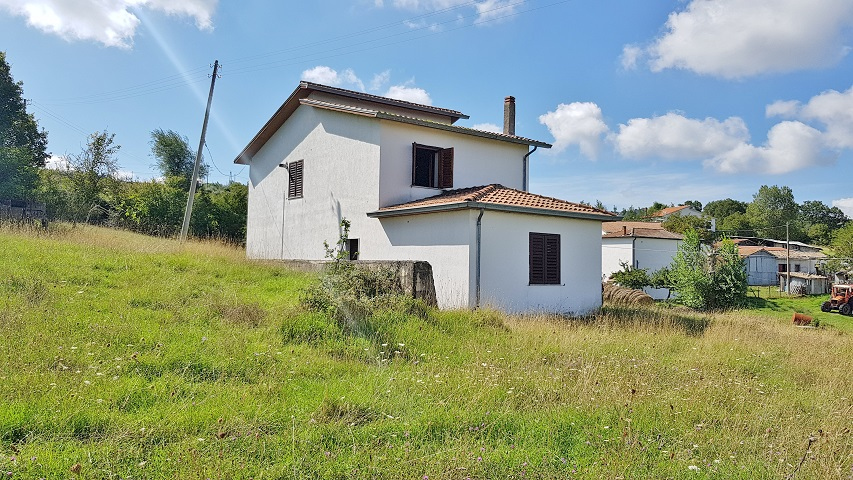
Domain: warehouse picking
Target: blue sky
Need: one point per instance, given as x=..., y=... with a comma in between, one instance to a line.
x=665, y=100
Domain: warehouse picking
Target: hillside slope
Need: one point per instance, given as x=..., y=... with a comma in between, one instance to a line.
x=125, y=356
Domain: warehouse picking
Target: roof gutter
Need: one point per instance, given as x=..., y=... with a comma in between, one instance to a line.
x=479, y=256
x=524, y=167
x=489, y=206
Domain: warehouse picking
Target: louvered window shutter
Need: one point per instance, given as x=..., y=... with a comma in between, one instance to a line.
x=445, y=168
x=537, y=259
x=552, y=259
x=544, y=259
x=294, y=186
x=414, y=160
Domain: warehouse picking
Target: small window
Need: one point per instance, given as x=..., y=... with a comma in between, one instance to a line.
x=783, y=268
x=544, y=259
x=796, y=267
x=352, y=248
x=294, y=183
x=432, y=166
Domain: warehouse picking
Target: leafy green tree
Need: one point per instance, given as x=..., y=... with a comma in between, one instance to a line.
x=23, y=146
x=735, y=224
x=694, y=204
x=820, y=221
x=680, y=224
x=689, y=272
x=771, y=208
x=708, y=280
x=93, y=177
x=722, y=209
x=174, y=156
x=730, y=282
x=842, y=244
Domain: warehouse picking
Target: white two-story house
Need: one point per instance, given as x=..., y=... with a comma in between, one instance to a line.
x=414, y=186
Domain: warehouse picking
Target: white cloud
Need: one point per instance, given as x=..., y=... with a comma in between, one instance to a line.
x=790, y=146
x=631, y=54
x=845, y=204
x=110, y=22
x=380, y=80
x=488, y=127
x=578, y=123
x=782, y=108
x=736, y=38
x=673, y=136
x=834, y=110
x=329, y=76
x=409, y=94
x=487, y=10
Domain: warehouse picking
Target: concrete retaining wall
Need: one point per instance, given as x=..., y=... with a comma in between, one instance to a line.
x=415, y=277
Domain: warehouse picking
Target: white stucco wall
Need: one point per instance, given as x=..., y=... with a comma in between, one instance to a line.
x=442, y=239
x=651, y=254
x=477, y=161
x=340, y=179
x=505, y=277
x=614, y=251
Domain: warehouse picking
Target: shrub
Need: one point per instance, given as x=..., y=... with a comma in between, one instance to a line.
x=630, y=277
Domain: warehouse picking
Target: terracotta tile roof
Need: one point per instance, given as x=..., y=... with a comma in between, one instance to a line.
x=610, y=227
x=498, y=195
x=644, y=233
x=668, y=211
x=420, y=121
x=379, y=99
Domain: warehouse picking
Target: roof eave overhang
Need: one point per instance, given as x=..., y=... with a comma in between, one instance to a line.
x=487, y=206
x=452, y=114
x=273, y=124
x=465, y=131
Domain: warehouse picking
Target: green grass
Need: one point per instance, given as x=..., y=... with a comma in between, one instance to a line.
x=773, y=304
x=137, y=357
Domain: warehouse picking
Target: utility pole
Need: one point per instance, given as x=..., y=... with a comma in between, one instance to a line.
x=787, y=258
x=189, y=211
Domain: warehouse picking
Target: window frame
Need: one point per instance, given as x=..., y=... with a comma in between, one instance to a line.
x=295, y=179
x=544, y=259
x=353, y=248
x=441, y=167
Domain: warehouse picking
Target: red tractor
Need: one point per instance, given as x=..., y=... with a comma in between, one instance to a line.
x=841, y=299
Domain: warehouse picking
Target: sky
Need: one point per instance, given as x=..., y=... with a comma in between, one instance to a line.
x=659, y=100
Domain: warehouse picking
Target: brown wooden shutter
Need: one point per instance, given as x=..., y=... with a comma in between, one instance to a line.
x=552, y=259
x=294, y=186
x=414, y=157
x=445, y=168
x=537, y=258
x=544, y=259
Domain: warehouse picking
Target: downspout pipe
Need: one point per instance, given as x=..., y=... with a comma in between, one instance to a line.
x=477, y=275
x=524, y=166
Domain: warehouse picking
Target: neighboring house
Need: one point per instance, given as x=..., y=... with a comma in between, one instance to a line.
x=769, y=242
x=639, y=244
x=764, y=265
x=682, y=210
x=414, y=186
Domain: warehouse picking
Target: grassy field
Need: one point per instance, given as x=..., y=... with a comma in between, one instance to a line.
x=125, y=356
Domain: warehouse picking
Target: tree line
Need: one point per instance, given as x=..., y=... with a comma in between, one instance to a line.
x=772, y=213
x=89, y=188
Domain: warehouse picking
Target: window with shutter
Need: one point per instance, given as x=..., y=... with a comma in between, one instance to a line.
x=432, y=166
x=294, y=183
x=544, y=259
